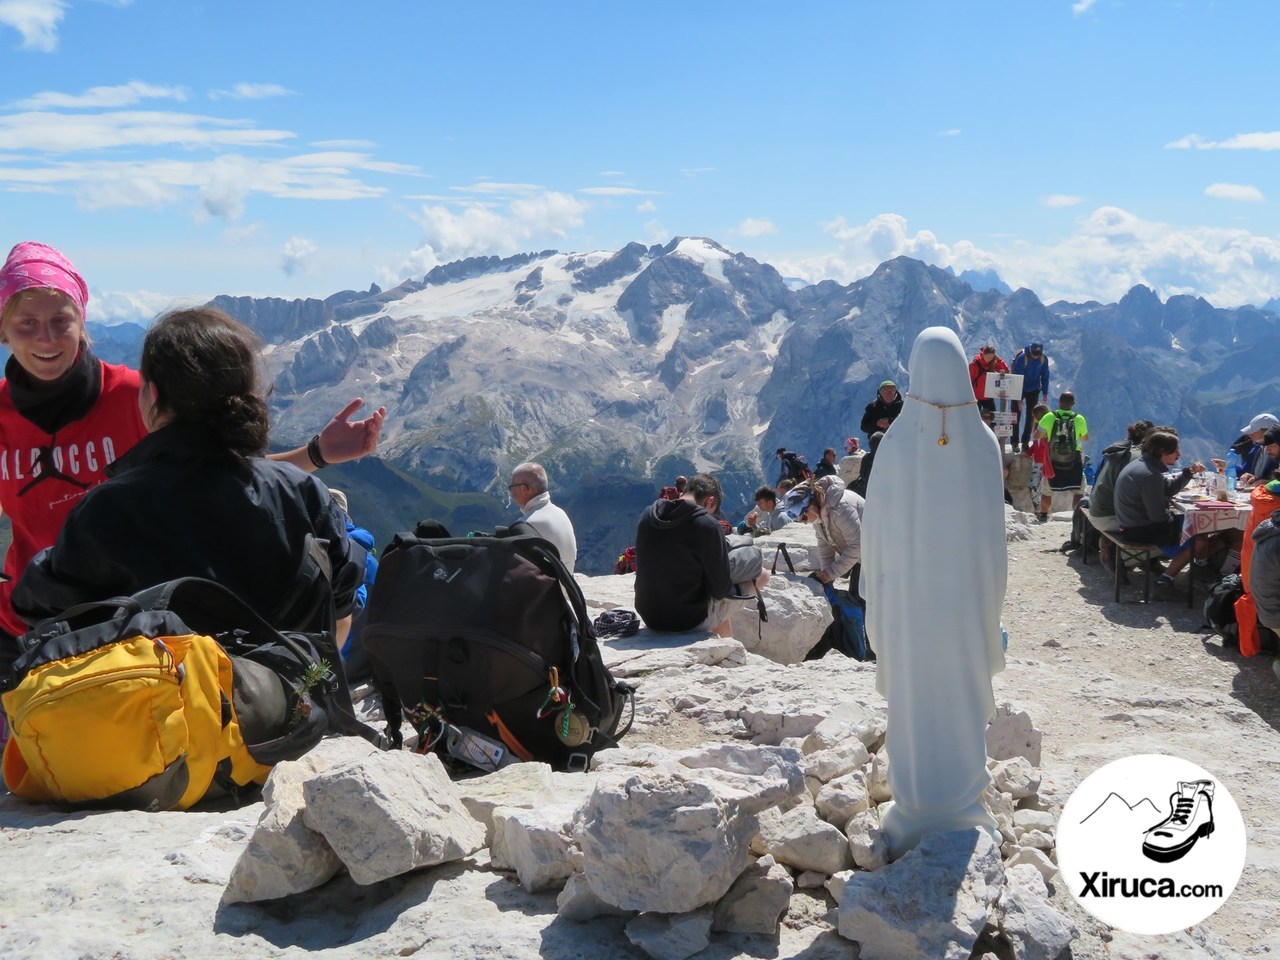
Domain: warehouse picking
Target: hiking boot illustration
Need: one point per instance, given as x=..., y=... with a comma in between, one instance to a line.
x=1190, y=818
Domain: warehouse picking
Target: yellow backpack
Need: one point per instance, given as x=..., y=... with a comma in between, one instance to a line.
x=142, y=711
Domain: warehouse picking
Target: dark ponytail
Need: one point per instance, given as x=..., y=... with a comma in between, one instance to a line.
x=204, y=366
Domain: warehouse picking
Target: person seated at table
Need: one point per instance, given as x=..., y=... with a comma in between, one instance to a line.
x=1142, y=495
x=1266, y=463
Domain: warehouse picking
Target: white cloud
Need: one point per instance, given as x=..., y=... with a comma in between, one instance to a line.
x=450, y=233
x=1080, y=6
x=1058, y=200
x=36, y=20
x=1110, y=251
x=501, y=188
x=617, y=192
x=696, y=171
x=1244, y=192
x=1267, y=140
x=251, y=91
x=755, y=227
x=219, y=186
x=295, y=255
x=655, y=232
x=72, y=133
x=611, y=173
x=343, y=144
x=135, y=306
x=953, y=132
x=121, y=95
x=647, y=207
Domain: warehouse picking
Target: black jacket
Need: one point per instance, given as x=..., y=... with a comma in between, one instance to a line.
x=877, y=410
x=178, y=505
x=682, y=562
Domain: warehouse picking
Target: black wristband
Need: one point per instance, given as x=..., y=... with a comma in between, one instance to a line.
x=313, y=452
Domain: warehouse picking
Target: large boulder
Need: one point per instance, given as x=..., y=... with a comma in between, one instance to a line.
x=1033, y=927
x=798, y=615
x=663, y=843
x=756, y=901
x=800, y=839
x=391, y=813
x=932, y=904
x=537, y=844
x=284, y=856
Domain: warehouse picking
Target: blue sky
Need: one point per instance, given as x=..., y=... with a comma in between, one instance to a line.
x=179, y=150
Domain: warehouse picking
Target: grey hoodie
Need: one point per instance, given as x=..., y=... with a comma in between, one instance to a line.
x=1264, y=571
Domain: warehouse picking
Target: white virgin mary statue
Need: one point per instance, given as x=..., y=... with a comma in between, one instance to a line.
x=934, y=569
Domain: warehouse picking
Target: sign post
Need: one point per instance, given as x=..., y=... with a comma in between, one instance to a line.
x=1006, y=390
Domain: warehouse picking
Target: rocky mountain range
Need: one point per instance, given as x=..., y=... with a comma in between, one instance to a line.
x=619, y=370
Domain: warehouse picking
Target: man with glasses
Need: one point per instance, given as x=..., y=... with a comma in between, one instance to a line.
x=529, y=490
x=1142, y=495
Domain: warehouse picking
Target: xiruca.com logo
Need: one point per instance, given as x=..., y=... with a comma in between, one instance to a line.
x=1144, y=863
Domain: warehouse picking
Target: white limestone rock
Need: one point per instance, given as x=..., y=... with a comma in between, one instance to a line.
x=756, y=901
x=822, y=766
x=755, y=778
x=803, y=841
x=1025, y=820
x=1036, y=839
x=1033, y=927
x=867, y=843
x=671, y=937
x=1035, y=858
x=659, y=842
x=836, y=883
x=845, y=721
x=802, y=548
x=878, y=779
x=843, y=798
x=932, y=904
x=576, y=902
x=809, y=879
x=772, y=721
x=519, y=785
x=647, y=651
x=1016, y=777
x=798, y=616
x=391, y=813
x=284, y=856
x=1012, y=734
x=537, y=843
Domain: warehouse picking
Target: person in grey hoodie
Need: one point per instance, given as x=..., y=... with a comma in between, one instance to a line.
x=836, y=514
x=1264, y=572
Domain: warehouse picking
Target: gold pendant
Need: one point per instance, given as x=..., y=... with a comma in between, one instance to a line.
x=942, y=440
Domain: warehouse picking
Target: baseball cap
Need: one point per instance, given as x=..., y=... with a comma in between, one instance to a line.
x=1263, y=421
x=887, y=383
x=1037, y=347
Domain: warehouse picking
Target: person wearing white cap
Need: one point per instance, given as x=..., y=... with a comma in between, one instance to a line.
x=935, y=622
x=1250, y=446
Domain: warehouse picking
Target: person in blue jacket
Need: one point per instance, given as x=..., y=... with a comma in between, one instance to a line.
x=363, y=537
x=1033, y=366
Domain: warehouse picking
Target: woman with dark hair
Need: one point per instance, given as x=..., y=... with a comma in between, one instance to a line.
x=194, y=497
x=65, y=415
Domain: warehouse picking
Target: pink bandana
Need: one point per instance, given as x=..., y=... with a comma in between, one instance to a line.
x=31, y=264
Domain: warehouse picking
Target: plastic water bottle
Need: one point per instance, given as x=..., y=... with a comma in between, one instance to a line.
x=1233, y=469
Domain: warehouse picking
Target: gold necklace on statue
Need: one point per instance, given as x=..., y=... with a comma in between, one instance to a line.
x=944, y=407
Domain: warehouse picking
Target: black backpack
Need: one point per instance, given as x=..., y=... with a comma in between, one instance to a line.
x=1062, y=441
x=486, y=639
x=1220, y=608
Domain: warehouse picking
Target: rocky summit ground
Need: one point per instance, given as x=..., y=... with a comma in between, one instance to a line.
x=1101, y=681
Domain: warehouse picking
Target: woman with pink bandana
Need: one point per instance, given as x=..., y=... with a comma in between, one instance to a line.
x=65, y=415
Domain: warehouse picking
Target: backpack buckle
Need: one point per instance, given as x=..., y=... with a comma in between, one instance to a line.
x=579, y=762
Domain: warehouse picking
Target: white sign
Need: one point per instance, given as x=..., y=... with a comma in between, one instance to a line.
x=1006, y=390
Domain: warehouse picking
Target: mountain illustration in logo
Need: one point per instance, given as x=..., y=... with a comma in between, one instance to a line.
x=1116, y=811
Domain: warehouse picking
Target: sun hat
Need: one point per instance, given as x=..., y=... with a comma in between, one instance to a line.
x=31, y=265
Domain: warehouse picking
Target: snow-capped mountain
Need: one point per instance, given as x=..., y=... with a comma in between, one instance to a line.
x=618, y=370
